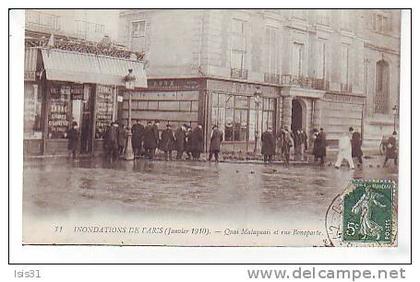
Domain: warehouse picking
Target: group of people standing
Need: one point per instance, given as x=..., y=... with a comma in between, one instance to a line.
x=285, y=140
x=185, y=139
x=146, y=140
x=349, y=146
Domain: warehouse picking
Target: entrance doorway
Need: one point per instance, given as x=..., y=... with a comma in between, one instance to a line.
x=297, y=115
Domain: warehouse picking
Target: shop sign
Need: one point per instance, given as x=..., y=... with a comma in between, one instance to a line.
x=104, y=109
x=58, y=118
x=77, y=92
x=173, y=84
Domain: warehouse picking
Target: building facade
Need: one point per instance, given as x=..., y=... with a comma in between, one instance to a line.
x=72, y=74
x=90, y=25
x=247, y=70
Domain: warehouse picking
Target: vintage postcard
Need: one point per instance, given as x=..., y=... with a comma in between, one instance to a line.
x=212, y=127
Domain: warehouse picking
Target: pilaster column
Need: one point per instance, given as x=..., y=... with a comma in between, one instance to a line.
x=317, y=113
x=287, y=112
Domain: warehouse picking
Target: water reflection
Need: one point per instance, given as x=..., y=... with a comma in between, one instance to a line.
x=201, y=188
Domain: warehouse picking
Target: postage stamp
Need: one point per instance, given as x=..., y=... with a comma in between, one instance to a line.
x=363, y=215
x=368, y=212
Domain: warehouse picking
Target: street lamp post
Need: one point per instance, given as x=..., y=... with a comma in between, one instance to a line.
x=257, y=100
x=129, y=85
x=395, y=113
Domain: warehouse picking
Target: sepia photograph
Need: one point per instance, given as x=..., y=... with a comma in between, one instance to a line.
x=211, y=127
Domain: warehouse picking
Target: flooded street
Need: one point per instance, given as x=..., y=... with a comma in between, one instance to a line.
x=59, y=187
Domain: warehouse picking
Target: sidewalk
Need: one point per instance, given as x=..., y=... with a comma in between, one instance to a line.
x=239, y=158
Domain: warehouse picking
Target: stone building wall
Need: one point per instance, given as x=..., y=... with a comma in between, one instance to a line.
x=198, y=43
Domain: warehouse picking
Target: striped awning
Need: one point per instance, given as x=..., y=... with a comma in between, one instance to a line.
x=90, y=68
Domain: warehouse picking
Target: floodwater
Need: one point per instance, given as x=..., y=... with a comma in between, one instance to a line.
x=185, y=188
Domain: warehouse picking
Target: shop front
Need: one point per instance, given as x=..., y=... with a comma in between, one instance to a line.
x=32, y=123
x=171, y=101
x=233, y=106
x=77, y=87
x=242, y=111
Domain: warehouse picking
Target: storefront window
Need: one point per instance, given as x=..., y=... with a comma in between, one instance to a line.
x=32, y=120
x=237, y=116
x=253, y=116
x=104, y=109
x=59, y=111
x=268, y=109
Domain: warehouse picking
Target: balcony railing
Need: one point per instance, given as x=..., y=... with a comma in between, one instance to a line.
x=305, y=82
x=320, y=84
x=239, y=73
x=272, y=78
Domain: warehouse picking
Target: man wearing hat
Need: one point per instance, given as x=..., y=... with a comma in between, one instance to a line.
x=149, y=140
x=112, y=142
x=180, y=141
x=268, y=146
x=216, y=139
x=167, y=142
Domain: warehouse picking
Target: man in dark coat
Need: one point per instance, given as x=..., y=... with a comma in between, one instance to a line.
x=286, y=141
x=73, y=136
x=122, y=138
x=268, y=146
x=297, y=142
x=216, y=139
x=167, y=142
x=319, y=149
x=137, y=138
x=150, y=142
x=356, y=145
x=304, y=139
x=392, y=149
x=112, y=141
x=197, y=142
x=180, y=141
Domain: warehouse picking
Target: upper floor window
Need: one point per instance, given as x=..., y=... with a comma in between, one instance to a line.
x=345, y=72
x=84, y=28
x=138, y=29
x=272, y=50
x=297, y=59
x=381, y=23
x=382, y=87
x=238, y=44
x=346, y=20
x=321, y=72
x=138, y=38
x=323, y=17
x=99, y=28
x=238, y=27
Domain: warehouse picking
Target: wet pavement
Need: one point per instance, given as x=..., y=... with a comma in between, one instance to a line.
x=186, y=188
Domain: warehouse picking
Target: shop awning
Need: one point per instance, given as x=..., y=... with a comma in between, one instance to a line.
x=89, y=68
